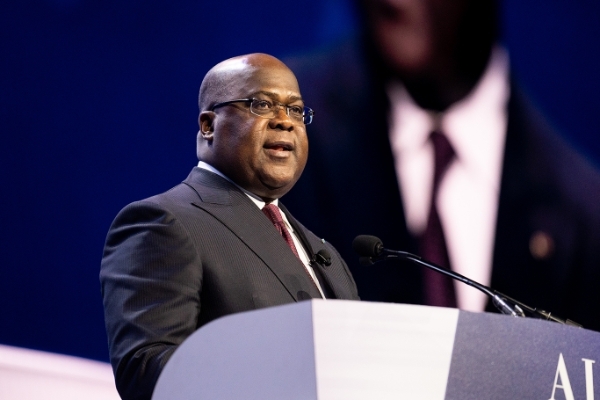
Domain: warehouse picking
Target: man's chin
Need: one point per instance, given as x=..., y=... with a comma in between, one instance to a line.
x=274, y=189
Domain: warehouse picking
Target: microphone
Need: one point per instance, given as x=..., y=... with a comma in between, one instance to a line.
x=323, y=257
x=371, y=250
x=367, y=246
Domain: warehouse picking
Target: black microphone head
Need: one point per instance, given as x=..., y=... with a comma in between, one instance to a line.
x=367, y=246
x=323, y=257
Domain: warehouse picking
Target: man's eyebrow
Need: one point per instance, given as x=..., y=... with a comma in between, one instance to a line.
x=274, y=95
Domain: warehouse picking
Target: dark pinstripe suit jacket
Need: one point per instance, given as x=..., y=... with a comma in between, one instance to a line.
x=202, y=250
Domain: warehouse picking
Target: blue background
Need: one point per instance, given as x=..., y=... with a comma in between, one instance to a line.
x=98, y=108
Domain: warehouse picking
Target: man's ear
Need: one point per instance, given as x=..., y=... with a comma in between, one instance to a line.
x=205, y=122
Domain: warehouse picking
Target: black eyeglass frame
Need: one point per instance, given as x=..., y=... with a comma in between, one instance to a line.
x=307, y=112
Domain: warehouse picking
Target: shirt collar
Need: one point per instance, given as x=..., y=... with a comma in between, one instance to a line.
x=260, y=203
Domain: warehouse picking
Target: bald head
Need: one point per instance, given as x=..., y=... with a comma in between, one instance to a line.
x=221, y=82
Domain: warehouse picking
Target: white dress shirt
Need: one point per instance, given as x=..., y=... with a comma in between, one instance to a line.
x=304, y=258
x=469, y=191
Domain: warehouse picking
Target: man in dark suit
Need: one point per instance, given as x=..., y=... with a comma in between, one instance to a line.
x=204, y=249
x=530, y=227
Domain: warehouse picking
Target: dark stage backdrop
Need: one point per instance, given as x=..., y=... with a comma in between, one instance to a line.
x=98, y=108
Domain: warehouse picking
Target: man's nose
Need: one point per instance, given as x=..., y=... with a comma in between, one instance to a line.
x=282, y=120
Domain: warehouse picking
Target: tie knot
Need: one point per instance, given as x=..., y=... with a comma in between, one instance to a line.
x=273, y=213
x=443, y=153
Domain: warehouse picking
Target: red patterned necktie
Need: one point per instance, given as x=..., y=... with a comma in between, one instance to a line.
x=272, y=212
x=439, y=289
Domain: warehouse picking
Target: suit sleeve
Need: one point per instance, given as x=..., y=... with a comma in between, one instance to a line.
x=151, y=279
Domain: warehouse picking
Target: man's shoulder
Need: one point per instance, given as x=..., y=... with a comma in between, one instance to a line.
x=198, y=185
x=159, y=208
x=171, y=201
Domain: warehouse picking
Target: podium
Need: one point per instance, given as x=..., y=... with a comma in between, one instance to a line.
x=335, y=349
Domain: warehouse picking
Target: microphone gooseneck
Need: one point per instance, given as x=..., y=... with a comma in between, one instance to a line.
x=370, y=250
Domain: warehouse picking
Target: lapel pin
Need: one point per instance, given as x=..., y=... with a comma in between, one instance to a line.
x=541, y=245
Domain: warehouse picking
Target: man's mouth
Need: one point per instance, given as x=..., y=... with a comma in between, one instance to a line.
x=279, y=146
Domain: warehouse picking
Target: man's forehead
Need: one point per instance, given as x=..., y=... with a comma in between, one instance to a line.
x=268, y=79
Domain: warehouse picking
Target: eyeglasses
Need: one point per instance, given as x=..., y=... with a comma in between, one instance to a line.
x=269, y=109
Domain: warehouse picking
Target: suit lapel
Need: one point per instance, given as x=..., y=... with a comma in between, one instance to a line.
x=225, y=202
